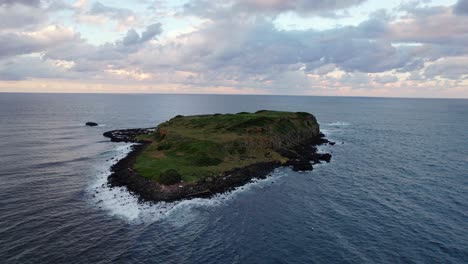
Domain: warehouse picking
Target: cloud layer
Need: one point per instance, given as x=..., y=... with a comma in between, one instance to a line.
x=237, y=46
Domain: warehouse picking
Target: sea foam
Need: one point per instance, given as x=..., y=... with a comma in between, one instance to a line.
x=120, y=203
x=339, y=123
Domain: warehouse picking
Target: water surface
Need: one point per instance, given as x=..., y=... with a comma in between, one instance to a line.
x=396, y=190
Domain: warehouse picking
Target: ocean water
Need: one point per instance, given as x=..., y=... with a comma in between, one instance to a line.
x=396, y=190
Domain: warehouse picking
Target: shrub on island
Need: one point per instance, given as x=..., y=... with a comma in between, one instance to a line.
x=169, y=177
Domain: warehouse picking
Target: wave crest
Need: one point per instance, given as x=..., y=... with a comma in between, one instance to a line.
x=119, y=202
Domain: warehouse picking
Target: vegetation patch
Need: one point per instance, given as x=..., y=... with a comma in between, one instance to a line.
x=191, y=148
x=169, y=177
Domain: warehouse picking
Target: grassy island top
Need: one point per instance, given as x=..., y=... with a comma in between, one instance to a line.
x=190, y=148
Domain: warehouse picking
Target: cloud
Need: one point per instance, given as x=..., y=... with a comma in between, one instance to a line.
x=386, y=79
x=17, y=16
x=151, y=32
x=26, y=67
x=22, y=2
x=26, y=42
x=440, y=26
x=238, y=53
x=257, y=47
x=454, y=68
x=461, y=8
x=99, y=14
x=133, y=37
x=235, y=45
x=111, y=12
x=298, y=6
x=232, y=8
x=99, y=61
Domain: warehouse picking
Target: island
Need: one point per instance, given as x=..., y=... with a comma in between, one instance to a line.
x=203, y=155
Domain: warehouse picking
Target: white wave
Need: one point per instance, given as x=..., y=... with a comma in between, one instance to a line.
x=119, y=202
x=339, y=123
x=334, y=129
x=331, y=134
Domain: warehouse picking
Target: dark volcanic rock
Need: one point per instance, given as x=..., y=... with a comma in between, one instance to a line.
x=325, y=157
x=92, y=124
x=128, y=135
x=300, y=164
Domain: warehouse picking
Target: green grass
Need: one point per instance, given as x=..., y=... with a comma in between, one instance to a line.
x=209, y=145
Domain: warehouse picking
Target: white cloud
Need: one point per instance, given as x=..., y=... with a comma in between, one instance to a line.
x=236, y=46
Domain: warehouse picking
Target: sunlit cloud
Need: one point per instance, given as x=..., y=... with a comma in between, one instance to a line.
x=416, y=49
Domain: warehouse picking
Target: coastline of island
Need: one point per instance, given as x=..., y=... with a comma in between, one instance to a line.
x=300, y=157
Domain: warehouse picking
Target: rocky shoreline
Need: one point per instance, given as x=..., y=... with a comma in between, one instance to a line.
x=128, y=135
x=301, y=158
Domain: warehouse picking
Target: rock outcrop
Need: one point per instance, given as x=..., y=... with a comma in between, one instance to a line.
x=91, y=124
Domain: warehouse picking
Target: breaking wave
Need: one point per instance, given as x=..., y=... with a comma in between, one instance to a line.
x=339, y=123
x=119, y=202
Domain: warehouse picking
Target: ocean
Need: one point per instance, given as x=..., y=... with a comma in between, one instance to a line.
x=396, y=190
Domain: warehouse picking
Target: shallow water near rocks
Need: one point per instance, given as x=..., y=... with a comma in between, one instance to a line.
x=396, y=190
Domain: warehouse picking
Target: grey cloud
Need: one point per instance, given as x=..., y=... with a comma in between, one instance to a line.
x=22, y=68
x=151, y=32
x=415, y=64
x=112, y=12
x=347, y=48
x=439, y=26
x=22, y=2
x=415, y=76
x=87, y=54
x=453, y=69
x=251, y=51
x=356, y=78
x=299, y=6
x=121, y=15
x=324, y=69
x=133, y=37
x=386, y=79
x=59, y=5
x=17, y=16
x=12, y=44
x=257, y=53
x=31, y=14
x=367, y=56
x=231, y=8
x=91, y=58
x=461, y=8
x=438, y=32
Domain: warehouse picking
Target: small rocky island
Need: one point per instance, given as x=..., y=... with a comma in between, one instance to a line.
x=199, y=156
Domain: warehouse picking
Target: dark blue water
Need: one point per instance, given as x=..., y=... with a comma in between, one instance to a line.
x=396, y=190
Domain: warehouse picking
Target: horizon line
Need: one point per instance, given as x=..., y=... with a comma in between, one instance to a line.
x=291, y=95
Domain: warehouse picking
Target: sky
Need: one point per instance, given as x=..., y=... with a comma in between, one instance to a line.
x=392, y=48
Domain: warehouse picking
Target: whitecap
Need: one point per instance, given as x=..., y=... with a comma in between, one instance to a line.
x=331, y=134
x=339, y=123
x=119, y=202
